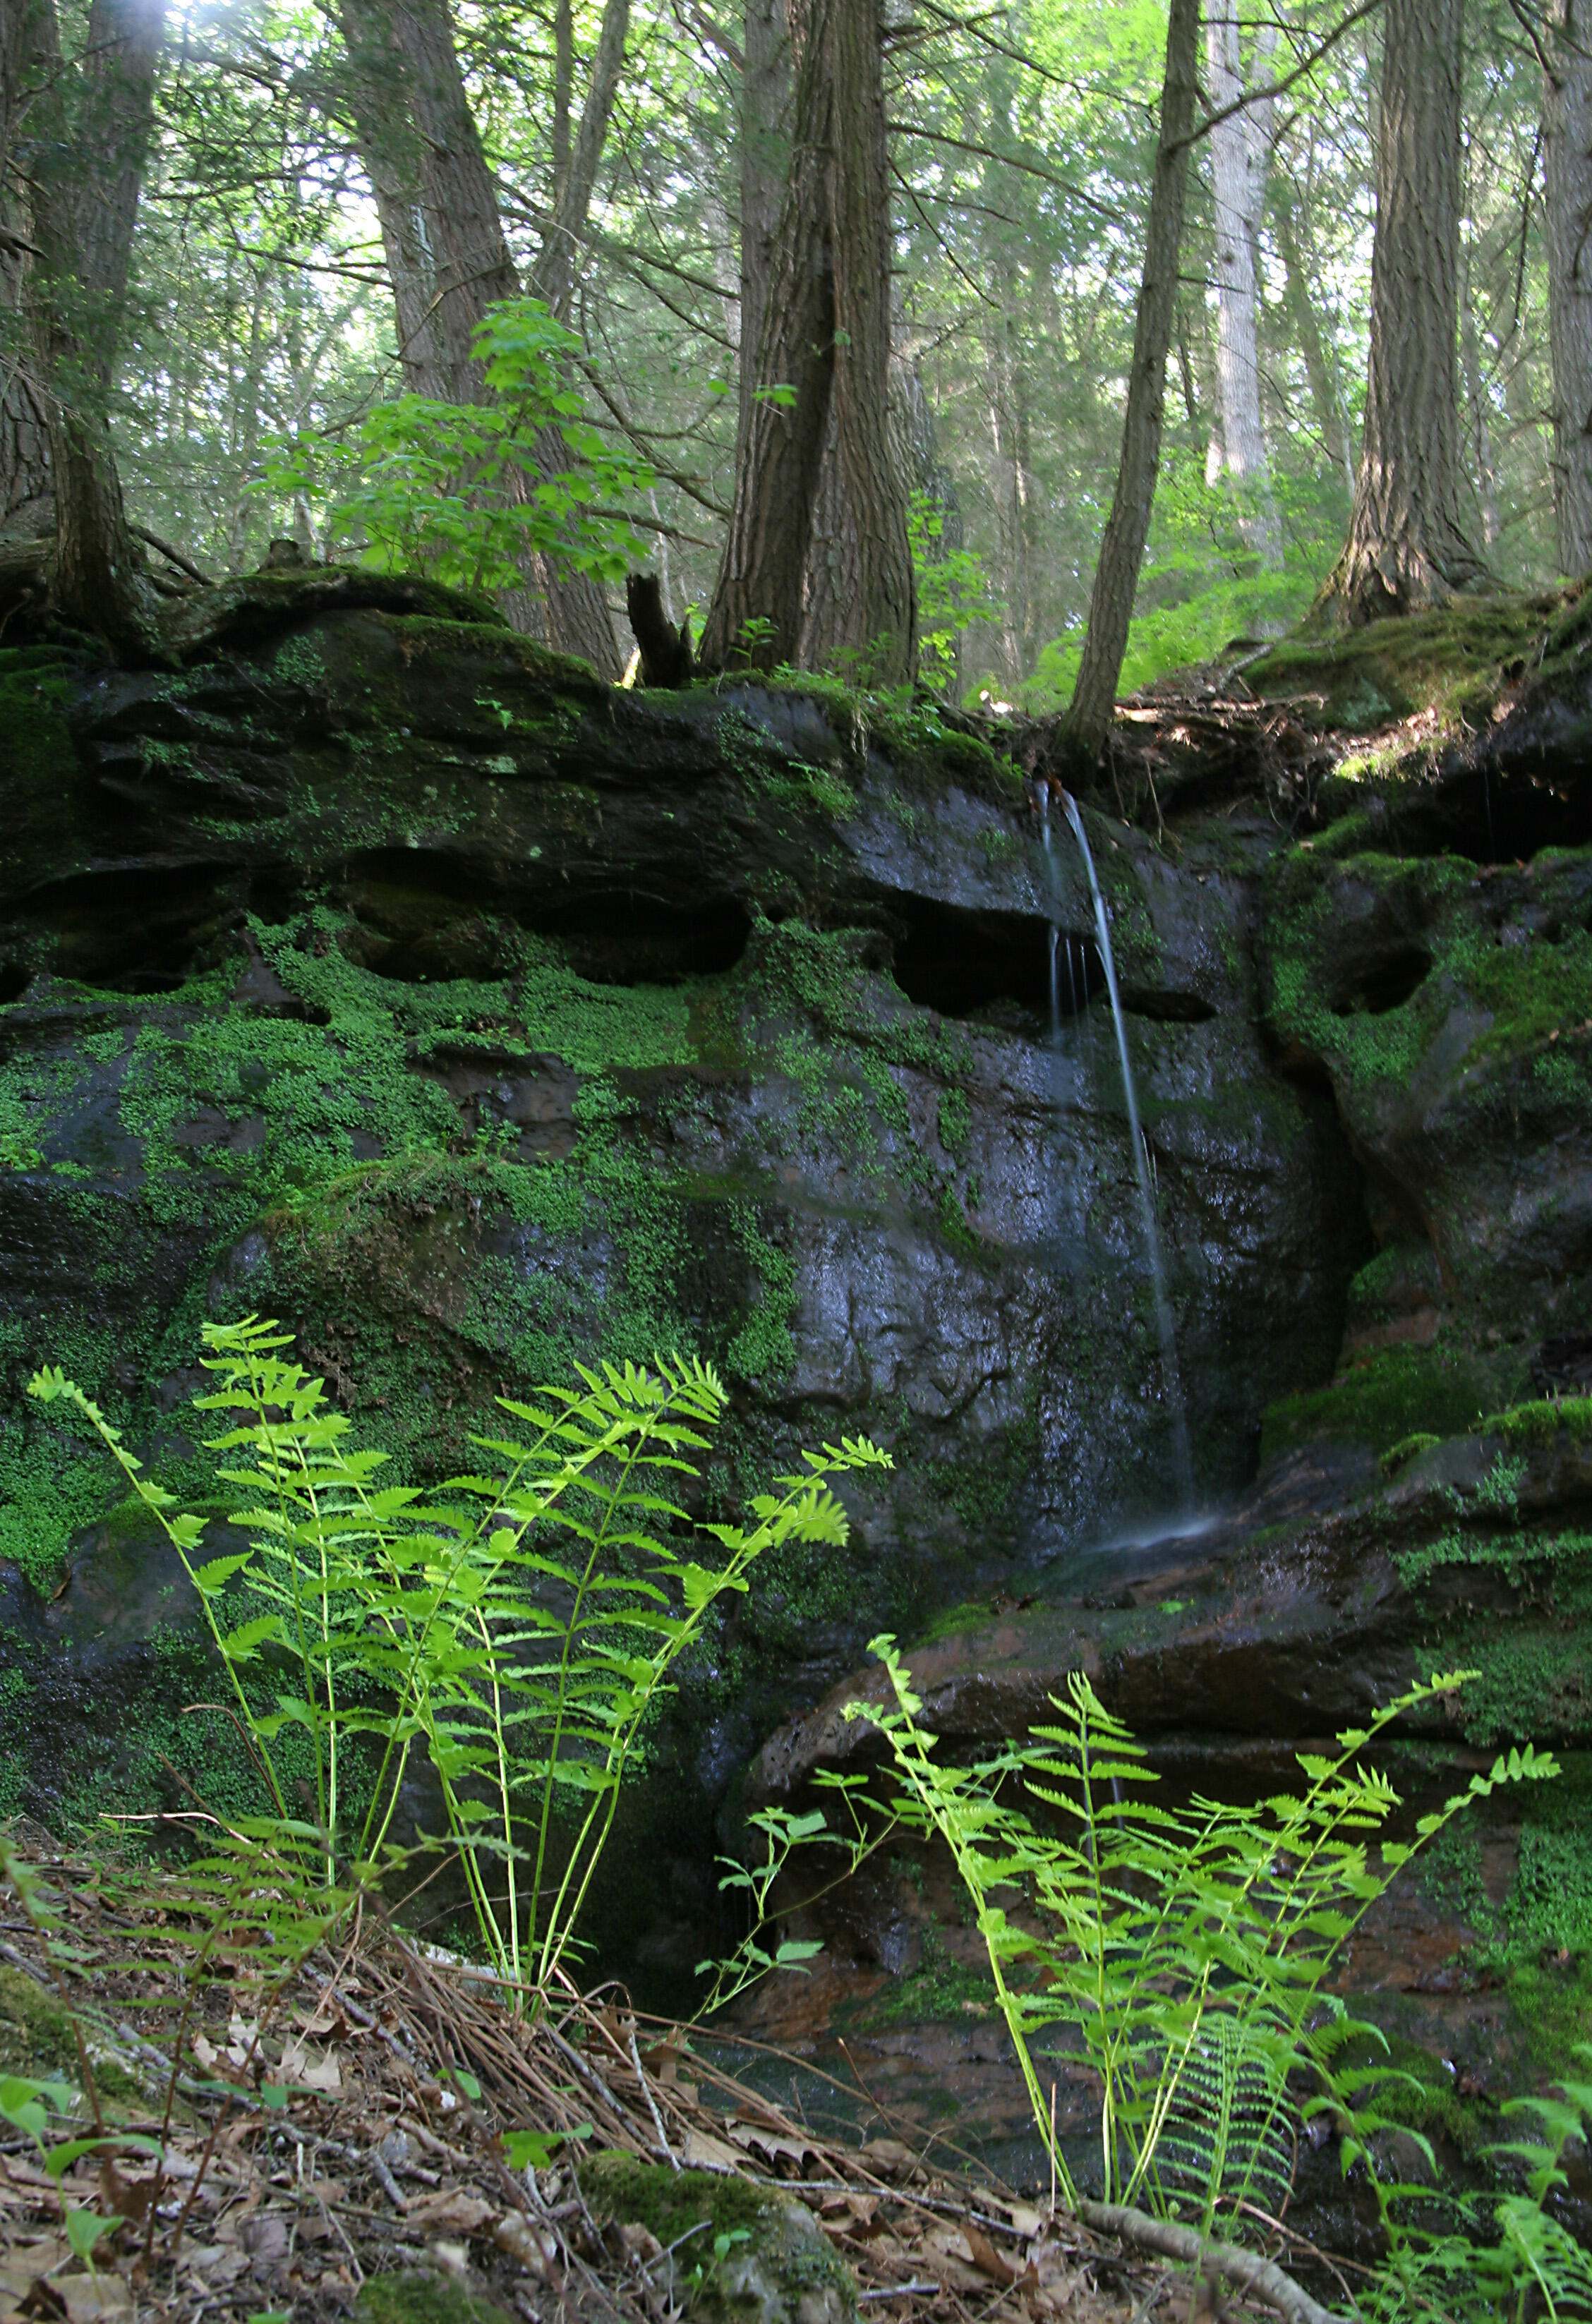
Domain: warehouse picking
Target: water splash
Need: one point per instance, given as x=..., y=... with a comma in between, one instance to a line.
x=1170, y=1373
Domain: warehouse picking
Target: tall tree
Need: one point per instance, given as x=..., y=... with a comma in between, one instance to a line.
x=447, y=253
x=24, y=415
x=1566, y=138
x=1300, y=281
x=1240, y=148
x=1122, y=549
x=83, y=148
x=823, y=352
x=1408, y=545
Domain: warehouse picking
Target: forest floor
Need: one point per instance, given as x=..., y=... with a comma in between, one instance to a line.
x=287, y=2145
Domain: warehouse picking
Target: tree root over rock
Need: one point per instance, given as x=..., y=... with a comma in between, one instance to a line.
x=1262, y=2279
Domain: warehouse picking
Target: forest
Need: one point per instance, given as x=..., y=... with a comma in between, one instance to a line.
x=795, y=1161
x=257, y=248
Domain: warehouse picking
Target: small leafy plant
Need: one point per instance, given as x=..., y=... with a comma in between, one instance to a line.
x=518, y=1625
x=464, y=492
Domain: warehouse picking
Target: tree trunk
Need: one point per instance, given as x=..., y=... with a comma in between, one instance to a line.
x=1319, y=359
x=1122, y=550
x=552, y=277
x=1476, y=395
x=1567, y=126
x=1239, y=150
x=89, y=138
x=825, y=335
x=924, y=473
x=24, y=417
x=762, y=134
x=1407, y=546
x=447, y=254
x=881, y=613
x=756, y=610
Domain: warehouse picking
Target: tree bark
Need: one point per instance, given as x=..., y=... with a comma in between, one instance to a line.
x=24, y=417
x=1122, y=550
x=1407, y=546
x=762, y=133
x=826, y=334
x=756, y=610
x=447, y=254
x=1319, y=359
x=1476, y=395
x=89, y=133
x=1240, y=147
x=553, y=276
x=1567, y=128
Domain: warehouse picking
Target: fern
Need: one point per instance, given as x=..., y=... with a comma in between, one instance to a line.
x=520, y=1625
x=1188, y=1949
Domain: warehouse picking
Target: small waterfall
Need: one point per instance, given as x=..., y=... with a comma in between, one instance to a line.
x=1055, y=883
x=1170, y=1373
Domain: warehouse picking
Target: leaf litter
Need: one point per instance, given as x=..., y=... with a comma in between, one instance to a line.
x=275, y=2141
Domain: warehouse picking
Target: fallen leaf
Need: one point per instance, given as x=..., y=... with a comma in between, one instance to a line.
x=985, y=2257
x=701, y=2149
x=311, y=2073
x=776, y=2145
x=514, y=2236
x=88, y=2298
x=888, y=2158
x=452, y=2212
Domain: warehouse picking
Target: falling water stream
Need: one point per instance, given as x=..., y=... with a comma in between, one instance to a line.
x=1173, y=1377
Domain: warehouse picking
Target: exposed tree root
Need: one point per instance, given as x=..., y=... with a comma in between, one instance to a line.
x=1262, y=2278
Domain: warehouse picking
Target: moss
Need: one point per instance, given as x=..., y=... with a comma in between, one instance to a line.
x=37, y=2039
x=940, y=1989
x=1408, y=1448
x=1519, y=1000
x=739, y=2250
x=911, y=729
x=1543, y=1422
x=1400, y=1393
x=1446, y=662
x=34, y=744
x=417, y=2297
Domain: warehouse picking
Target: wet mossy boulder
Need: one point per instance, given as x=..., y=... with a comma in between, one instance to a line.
x=738, y=2252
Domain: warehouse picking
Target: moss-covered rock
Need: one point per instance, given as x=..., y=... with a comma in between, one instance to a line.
x=738, y=2252
x=1441, y=664
x=394, y=977
x=39, y=2039
x=418, y=2296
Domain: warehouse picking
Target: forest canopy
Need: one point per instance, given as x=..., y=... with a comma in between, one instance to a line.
x=824, y=311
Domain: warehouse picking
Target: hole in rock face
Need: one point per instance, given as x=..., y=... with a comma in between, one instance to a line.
x=1564, y=1367
x=14, y=979
x=140, y=931
x=418, y=918
x=968, y=962
x=1166, y=1008
x=620, y=937
x=1385, y=983
x=1496, y=816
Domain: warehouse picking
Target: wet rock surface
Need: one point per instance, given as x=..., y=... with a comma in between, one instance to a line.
x=386, y=974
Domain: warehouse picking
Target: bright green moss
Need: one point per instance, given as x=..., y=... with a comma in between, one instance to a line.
x=1408, y=1448
x=1541, y=1422
x=1399, y=1393
x=940, y=1989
